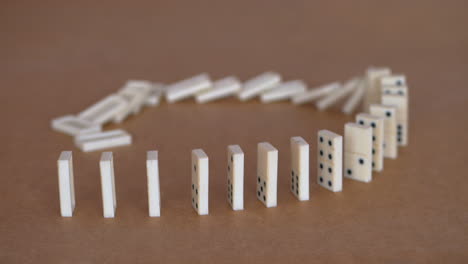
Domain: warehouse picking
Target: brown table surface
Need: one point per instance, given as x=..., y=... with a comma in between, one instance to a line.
x=58, y=58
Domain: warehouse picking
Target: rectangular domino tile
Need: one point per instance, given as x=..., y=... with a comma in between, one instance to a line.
x=140, y=86
x=187, y=88
x=235, y=178
x=283, y=91
x=401, y=103
x=330, y=160
x=221, y=89
x=401, y=90
x=338, y=94
x=200, y=181
x=300, y=168
x=66, y=184
x=373, y=76
x=390, y=128
x=154, y=96
x=267, y=174
x=393, y=80
x=73, y=125
x=377, y=124
x=104, y=110
x=154, y=194
x=109, y=202
x=358, y=152
x=315, y=93
x=258, y=85
x=103, y=140
x=135, y=97
x=355, y=98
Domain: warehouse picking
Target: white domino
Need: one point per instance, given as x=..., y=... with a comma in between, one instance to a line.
x=330, y=160
x=267, y=174
x=373, y=76
x=355, y=98
x=300, y=168
x=258, y=85
x=109, y=201
x=154, y=194
x=235, y=178
x=283, y=91
x=155, y=94
x=221, y=89
x=187, y=88
x=200, y=181
x=135, y=97
x=73, y=125
x=104, y=110
x=103, y=140
x=66, y=184
x=377, y=124
x=358, y=152
x=390, y=128
x=335, y=96
x=393, y=80
x=401, y=103
x=401, y=90
x=315, y=93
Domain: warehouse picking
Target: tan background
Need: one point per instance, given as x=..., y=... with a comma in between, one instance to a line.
x=57, y=58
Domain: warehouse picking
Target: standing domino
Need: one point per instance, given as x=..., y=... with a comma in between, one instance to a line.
x=154, y=196
x=235, y=178
x=300, y=168
x=258, y=85
x=330, y=161
x=109, y=202
x=358, y=152
x=393, y=80
x=267, y=174
x=390, y=127
x=373, y=76
x=66, y=184
x=377, y=124
x=200, y=181
x=401, y=103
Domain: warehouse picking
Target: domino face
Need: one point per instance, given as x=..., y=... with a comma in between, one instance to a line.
x=395, y=90
x=283, y=91
x=104, y=110
x=300, y=168
x=154, y=194
x=393, y=80
x=358, y=152
x=109, y=202
x=312, y=94
x=187, y=88
x=66, y=184
x=337, y=95
x=373, y=76
x=235, y=177
x=330, y=160
x=267, y=174
x=377, y=125
x=103, y=140
x=258, y=85
x=73, y=125
x=200, y=181
x=390, y=128
x=221, y=89
x=401, y=103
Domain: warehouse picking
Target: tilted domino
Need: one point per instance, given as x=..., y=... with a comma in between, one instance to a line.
x=315, y=93
x=135, y=97
x=337, y=95
x=267, y=174
x=66, y=184
x=187, y=88
x=154, y=194
x=377, y=125
x=390, y=128
x=355, y=98
x=73, y=125
x=154, y=96
x=258, y=85
x=103, y=140
x=358, y=152
x=235, y=179
x=372, y=79
x=104, y=110
x=330, y=160
x=283, y=91
x=221, y=89
x=109, y=201
x=200, y=181
x=300, y=168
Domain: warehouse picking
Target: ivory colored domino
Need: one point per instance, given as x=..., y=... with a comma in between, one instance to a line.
x=109, y=202
x=393, y=80
x=154, y=196
x=300, y=168
x=358, y=152
x=73, y=125
x=283, y=91
x=154, y=96
x=200, y=181
x=390, y=128
x=267, y=174
x=312, y=94
x=258, y=85
x=187, y=88
x=330, y=160
x=337, y=95
x=377, y=124
x=103, y=140
x=66, y=184
x=235, y=178
x=104, y=110
x=355, y=98
x=373, y=76
x=401, y=103
x=135, y=97
x=221, y=89
x=401, y=90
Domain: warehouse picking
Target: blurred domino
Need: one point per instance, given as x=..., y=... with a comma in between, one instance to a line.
x=103, y=140
x=401, y=90
x=377, y=124
x=187, y=88
x=104, y=110
x=358, y=152
x=390, y=128
x=235, y=181
x=330, y=160
x=66, y=184
x=337, y=95
x=312, y=94
x=152, y=171
x=73, y=125
x=373, y=76
x=267, y=174
x=393, y=80
x=300, y=168
x=401, y=103
x=200, y=181
x=221, y=89
x=135, y=97
x=283, y=91
x=258, y=85
x=355, y=98
x=155, y=94
x=109, y=202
